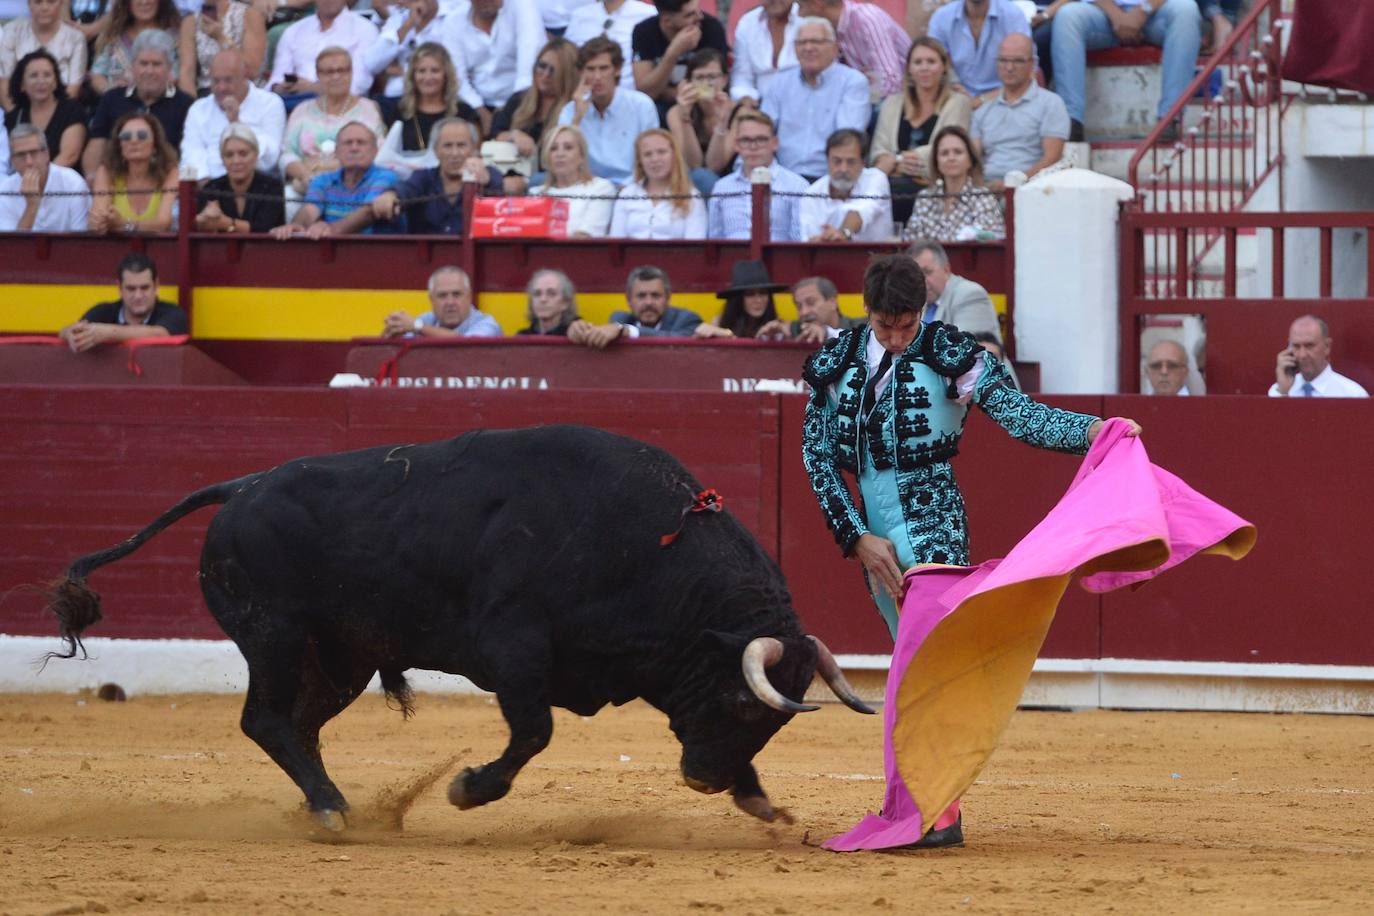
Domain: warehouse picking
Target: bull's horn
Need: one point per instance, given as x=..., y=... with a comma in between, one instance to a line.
x=764, y=652
x=830, y=672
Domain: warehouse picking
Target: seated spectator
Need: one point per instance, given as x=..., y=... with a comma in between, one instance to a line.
x=765, y=43
x=220, y=25
x=958, y=206
x=128, y=20
x=410, y=26
x=592, y=198
x=609, y=116
x=1167, y=367
x=1218, y=21
x=1308, y=355
x=451, y=314
x=660, y=203
x=993, y=346
x=137, y=313
x=818, y=311
x=701, y=117
x=810, y=103
x=1024, y=127
x=1174, y=25
x=41, y=99
x=43, y=29
x=749, y=308
x=25, y=204
x=300, y=50
x=851, y=203
x=431, y=95
x=136, y=185
x=312, y=130
x=495, y=43
x=244, y=198
x=662, y=43
x=909, y=120
x=652, y=314
x=730, y=210
x=87, y=16
x=552, y=304
x=870, y=41
x=233, y=99
x=527, y=113
x=615, y=19
x=340, y=202
x=972, y=31
x=152, y=91
x=438, y=191
x=950, y=298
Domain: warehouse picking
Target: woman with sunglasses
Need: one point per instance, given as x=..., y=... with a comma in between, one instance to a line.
x=136, y=185
x=114, y=60
x=40, y=99
x=221, y=25
x=242, y=199
x=528, y=112
x=308, y=148
x=430, y=96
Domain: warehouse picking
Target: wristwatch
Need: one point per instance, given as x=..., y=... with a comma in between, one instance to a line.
x=419, y=324
x=847, y=233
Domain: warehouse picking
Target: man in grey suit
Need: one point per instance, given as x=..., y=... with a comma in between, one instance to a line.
x=651, y=314
x=952, y=299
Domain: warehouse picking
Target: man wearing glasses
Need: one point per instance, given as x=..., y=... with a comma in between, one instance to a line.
x=613, y=19
x=729, y=213
x=24, y=202
x=1167, y=367
x=1024, y=127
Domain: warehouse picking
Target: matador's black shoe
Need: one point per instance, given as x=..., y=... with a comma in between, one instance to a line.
x=953, y=835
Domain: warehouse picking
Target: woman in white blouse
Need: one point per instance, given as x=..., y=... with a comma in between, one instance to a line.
x=661, y=202
x=565, y=157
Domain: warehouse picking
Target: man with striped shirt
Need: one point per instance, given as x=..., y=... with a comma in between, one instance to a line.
x=871, y=41
x=729, y=212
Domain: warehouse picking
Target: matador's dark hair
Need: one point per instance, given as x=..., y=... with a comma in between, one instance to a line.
x=893, y=285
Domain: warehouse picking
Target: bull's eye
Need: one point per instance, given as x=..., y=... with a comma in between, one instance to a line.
x=746, y=706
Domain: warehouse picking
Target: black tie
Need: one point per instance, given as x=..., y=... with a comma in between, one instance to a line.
x=871, y=394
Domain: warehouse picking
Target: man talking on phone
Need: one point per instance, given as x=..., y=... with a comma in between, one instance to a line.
x=1303, y=369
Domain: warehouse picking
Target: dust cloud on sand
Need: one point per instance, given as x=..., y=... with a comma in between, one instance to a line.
x=161, y=805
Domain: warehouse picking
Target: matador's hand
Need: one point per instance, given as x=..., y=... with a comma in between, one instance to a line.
x=879, y=558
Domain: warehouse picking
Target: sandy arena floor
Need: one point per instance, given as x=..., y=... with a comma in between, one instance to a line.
x=161, y=805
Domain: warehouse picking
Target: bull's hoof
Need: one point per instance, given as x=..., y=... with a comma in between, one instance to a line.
x=473, y=788
x=331, y=820
x=760, y=807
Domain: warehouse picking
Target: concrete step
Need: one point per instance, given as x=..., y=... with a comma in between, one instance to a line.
x=1223, y=161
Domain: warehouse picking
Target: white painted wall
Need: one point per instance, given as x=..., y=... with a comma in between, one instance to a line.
x=1066, y=279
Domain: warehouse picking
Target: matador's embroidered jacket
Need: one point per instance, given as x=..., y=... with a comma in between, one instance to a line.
x=913, y=431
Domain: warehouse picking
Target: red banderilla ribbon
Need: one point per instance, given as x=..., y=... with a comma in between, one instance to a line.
x=704, y=501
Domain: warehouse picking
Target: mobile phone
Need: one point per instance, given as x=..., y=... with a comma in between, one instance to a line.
x=1293, y=369
x=209, y=10
x=291, y=77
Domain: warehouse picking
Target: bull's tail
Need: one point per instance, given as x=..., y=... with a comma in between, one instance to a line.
x=77, y=606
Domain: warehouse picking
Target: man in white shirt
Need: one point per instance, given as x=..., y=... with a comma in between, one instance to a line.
x=1167, y=368
x=494, y=44
x=1304, y=368
x=850, y=202
x=333, y=25
x=232, y=99
x=34, y=177
x=608, y=114
x=616, y=19
x=765, y=43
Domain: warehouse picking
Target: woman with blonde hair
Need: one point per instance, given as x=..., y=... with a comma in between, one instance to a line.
x=660, y=203
x=527, y=113
x=429, y=94
x=114, y=59
x=564, y=153
x=308, y=147
x=957, y=206
x=135, y=186
x=908, y=120
x=243, y=199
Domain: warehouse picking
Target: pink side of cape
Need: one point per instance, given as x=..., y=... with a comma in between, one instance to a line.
x=1117, y=500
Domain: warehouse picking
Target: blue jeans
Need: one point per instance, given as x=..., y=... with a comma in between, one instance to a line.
x=704, y=180
x=1080, y=27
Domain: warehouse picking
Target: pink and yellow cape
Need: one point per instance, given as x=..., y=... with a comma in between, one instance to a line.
x=968, y=636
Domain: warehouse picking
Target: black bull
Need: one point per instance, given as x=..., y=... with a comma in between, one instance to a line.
x=531, y=561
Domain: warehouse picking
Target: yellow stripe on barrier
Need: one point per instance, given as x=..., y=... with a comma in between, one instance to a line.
x=265, y=313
